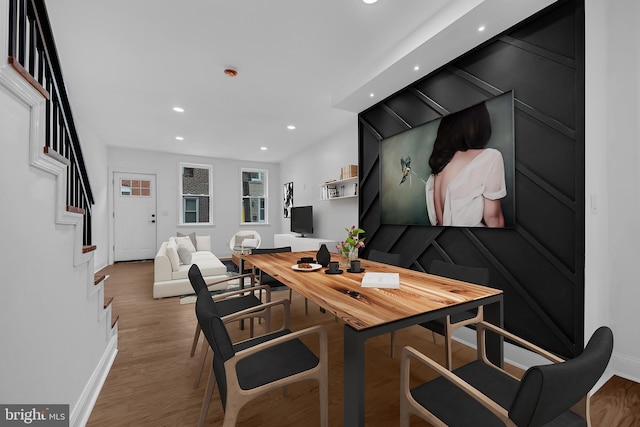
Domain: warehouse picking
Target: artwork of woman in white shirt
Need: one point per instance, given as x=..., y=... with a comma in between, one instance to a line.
x=467, y=179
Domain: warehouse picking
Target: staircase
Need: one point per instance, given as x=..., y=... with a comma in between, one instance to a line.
x=54, y=142
x=31, y=73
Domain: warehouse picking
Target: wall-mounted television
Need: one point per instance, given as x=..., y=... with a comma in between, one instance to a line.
x=409, y=187
x=302, y=220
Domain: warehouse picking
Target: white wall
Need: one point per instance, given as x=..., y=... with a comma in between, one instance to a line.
x=56, y=347
x=226, y=195
x=94, y=150
x=309, y=168
x=613, y=177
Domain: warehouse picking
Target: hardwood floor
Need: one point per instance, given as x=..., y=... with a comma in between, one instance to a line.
x=151, y=381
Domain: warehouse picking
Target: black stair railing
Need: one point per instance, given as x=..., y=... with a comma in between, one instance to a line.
x=32, y=52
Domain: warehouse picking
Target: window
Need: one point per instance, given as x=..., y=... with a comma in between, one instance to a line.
x=135, y=188
x=190, y=209
x=195, y=194
x=254, y=196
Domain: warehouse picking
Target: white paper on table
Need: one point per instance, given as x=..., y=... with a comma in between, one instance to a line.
x=381, y=280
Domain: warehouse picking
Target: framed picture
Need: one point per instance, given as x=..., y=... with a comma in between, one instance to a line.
x=287, y=198
x=410, y=192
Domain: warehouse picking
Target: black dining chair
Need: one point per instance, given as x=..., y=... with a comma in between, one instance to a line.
x=228, y=303
x=265, y=279
x=447, y=325
x=248, y=369
x=384, y=257
x=482, y=394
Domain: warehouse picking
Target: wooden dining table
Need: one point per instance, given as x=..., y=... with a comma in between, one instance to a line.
x=368, y=312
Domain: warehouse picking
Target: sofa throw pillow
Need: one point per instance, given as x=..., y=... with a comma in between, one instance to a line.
x=246, y=241
x=191, y=236
x=184, y=255
x=186, y=242
x=250, y=243
x=172, y=254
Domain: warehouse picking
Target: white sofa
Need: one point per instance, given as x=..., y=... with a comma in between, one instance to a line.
x=170, y=279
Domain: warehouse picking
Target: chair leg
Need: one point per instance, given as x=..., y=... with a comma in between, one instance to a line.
x=211, y=385
x=196, y=336
x=433, y=336
x=306, y=301
x=260, y=298
x=405, y=417
x=392, y=344
x=323, y=389
x=203, y=358
x=230, y=417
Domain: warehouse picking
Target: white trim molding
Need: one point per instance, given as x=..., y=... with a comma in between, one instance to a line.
x=81, y=411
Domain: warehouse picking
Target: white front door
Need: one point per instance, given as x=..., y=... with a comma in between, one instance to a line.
x=134, y=216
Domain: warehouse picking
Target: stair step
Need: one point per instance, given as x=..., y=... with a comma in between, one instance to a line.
x=114, y=321
x=108, y=302
x=97, y=278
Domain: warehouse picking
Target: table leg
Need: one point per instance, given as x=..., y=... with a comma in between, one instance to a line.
x=353, y=378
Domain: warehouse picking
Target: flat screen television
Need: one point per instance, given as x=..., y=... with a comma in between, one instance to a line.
x=302, y=220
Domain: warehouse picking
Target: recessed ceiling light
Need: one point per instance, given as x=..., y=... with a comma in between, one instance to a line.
x=371, y=95
x=481, y=28
x=291, y=127
x=263, y=148
x=416, y=68
x=178, y=109
x=180, y=138
x=369, y=1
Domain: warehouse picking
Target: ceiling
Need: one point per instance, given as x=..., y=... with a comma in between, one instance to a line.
x=312, y=64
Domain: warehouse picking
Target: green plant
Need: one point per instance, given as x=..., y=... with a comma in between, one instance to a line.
x=352, y=242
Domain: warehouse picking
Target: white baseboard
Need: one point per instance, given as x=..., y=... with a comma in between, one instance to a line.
x=514, y=355
x=625, y=366
x=82, y=410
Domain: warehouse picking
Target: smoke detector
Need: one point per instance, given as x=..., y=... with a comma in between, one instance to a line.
x=231, y=72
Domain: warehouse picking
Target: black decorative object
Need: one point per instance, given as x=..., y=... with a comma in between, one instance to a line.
x=323, y=256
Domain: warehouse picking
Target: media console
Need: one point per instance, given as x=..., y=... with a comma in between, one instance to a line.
x=298, y=243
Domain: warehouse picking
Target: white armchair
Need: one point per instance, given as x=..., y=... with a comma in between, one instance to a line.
x=245, y=240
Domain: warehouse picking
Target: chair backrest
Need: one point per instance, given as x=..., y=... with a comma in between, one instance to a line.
x=196, y=279
x=218, y=338
x=477, y=275
x=547, y=391
x=238, y=239
x=265, y=279
x=384, y=257
x=258, y=251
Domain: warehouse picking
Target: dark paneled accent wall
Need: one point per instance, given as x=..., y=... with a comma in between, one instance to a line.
x=540, y=263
